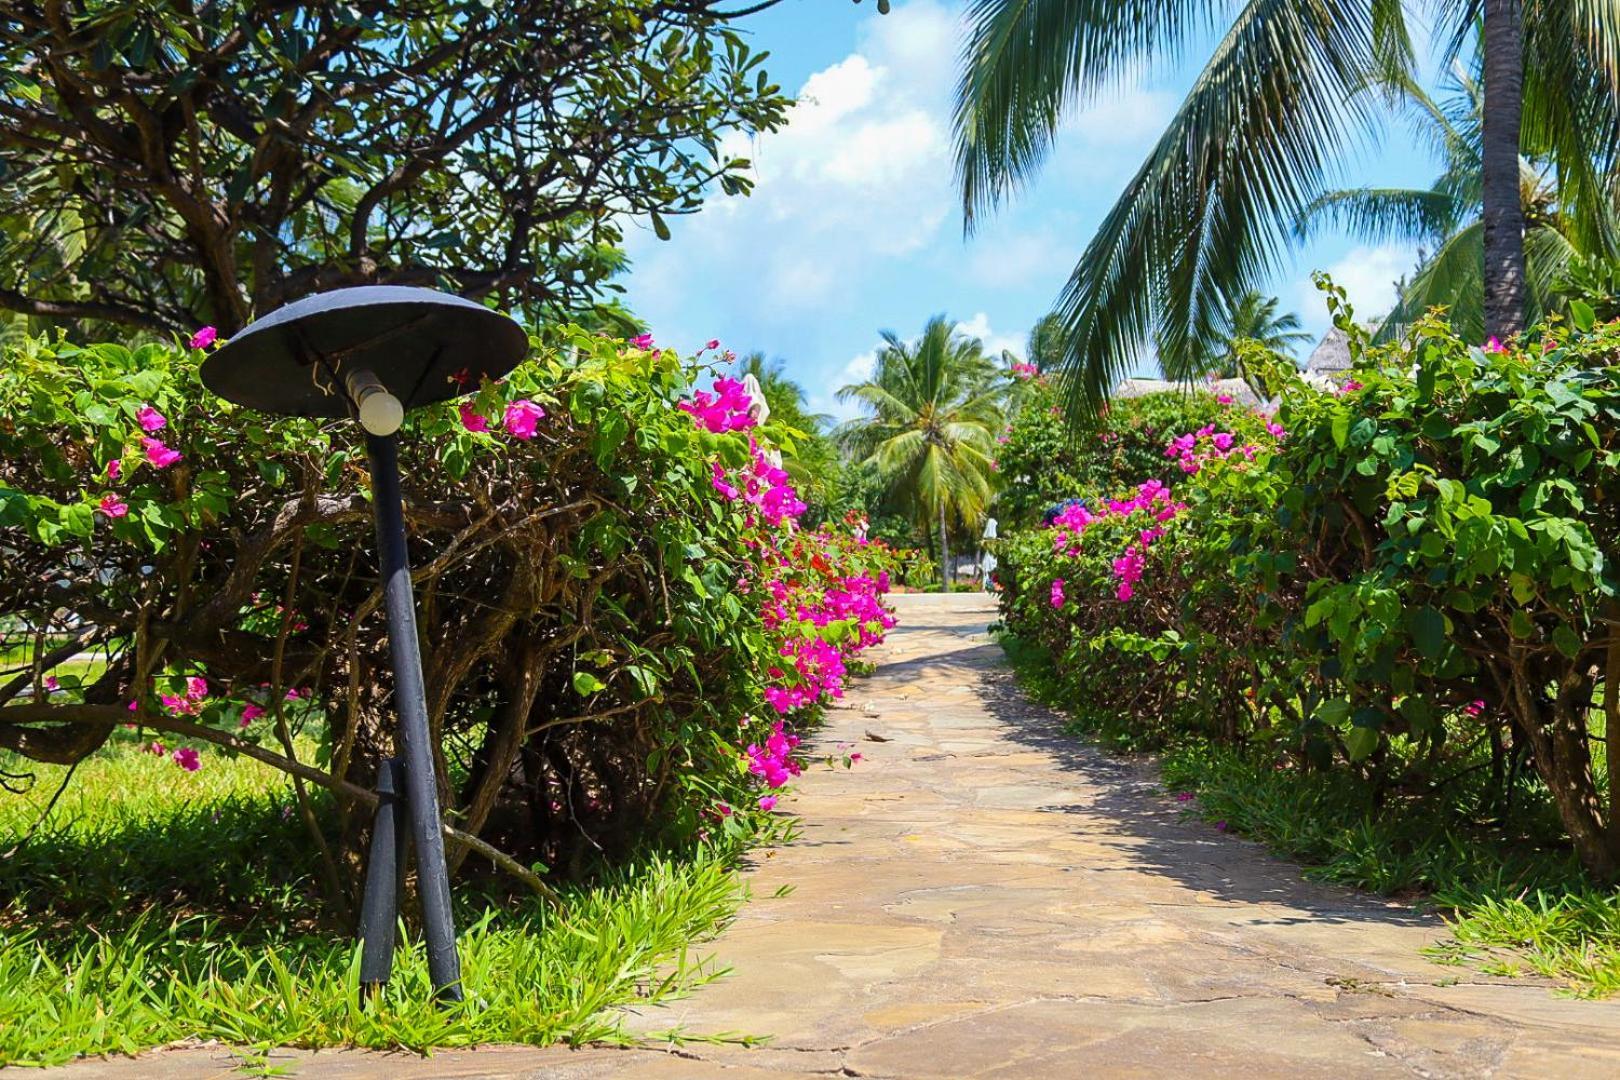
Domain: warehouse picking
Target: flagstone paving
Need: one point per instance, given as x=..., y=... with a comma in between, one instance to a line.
x=983, y=896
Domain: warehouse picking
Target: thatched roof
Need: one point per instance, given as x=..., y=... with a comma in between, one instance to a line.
x=1331, y=355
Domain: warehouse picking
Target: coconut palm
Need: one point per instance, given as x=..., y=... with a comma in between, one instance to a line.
x=1278, y=105
x=933, y=407
x=1250, y=317
x=1446, y=218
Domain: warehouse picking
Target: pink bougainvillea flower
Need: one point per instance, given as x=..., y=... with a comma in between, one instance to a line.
x=642, y=341
x=521, y=417
x=251, y=713
x=471, y=419
x=158, y=454
x=722, y=809
x=767, y=802
x=114, y=467
x=1224, y=399
x=150, y=419
x=187, y=759
x=1057, y=592
x=714, y=343
x=1350, y=386
x=51, y=685
x=156, y=748
x=717, y=480
x=1494, y=345
x=112, y=506
x=1474, y=708
x=196, y=688
x=1184, y=796
x=294, y=694
x=204, y=337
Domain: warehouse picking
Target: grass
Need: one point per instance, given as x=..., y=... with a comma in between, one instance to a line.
x=1516, y=901
x=155, y=905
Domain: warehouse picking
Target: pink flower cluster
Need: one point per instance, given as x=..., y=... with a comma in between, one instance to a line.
x=1024, y=372
x=763, y=484
x=1152, y=499
x=1193, y=450
x=774, y=761
x=189, y=705
x=724, y=410
x=519, y=420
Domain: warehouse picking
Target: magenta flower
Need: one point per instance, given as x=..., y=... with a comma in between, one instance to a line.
x=642, y=341
x=196, y=688
x=714, y=343
x=51, y=685
x=251, y=713
x=204, y=337
x=150, y=419
x=187, y=759
x=521, y=417
x=722, y=809
x=114, y=467
x=717, y=480
x=1223, y=399
x=1494, y=345
x=1057, y=593
x=472, y=420
x=1474, y=708
x=158, y=454
x=767, y=802
x=112, y=507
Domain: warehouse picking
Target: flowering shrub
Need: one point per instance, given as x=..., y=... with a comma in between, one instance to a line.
x=1044, y=462
x=1410, y=568
x=616, y=601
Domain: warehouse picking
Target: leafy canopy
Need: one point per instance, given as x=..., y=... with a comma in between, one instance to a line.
x=167, y=166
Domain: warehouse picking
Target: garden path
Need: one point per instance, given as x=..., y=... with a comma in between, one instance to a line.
x=984, y=896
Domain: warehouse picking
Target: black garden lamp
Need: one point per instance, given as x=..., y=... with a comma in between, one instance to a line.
x=373, y=352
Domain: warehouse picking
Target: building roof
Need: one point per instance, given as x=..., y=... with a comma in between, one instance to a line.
x=1331, y=355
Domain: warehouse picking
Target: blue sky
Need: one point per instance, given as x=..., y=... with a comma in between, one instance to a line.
x=854, y=226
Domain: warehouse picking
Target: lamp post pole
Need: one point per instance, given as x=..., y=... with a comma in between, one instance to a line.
x=415, y=749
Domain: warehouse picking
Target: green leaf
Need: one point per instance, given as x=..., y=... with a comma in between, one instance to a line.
x=1359, y=742
x=1567, y=641
x=1582, y=315
x=586, y=684
x=1428, y=629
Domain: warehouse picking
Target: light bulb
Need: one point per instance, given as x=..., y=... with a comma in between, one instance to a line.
x=380, y=412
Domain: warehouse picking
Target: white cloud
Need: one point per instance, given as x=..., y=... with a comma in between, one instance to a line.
x=1367, y=275
x=994, y=343
x=862, y=171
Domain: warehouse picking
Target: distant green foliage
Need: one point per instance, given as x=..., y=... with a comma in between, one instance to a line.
x=1045, y=461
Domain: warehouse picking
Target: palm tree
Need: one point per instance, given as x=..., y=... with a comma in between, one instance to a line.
x=1249, y=317
x=1280, y=101
x=933, y=410
x=1446, y=217
x=1045, y=347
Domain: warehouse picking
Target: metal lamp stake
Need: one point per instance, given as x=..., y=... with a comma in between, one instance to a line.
x=372, y=352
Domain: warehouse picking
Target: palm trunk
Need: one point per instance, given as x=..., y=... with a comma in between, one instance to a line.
x=944, y=551
x=1504, y=213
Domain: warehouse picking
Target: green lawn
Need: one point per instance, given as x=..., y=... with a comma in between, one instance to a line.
x=155, y=904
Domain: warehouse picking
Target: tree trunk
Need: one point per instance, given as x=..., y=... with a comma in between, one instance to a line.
x=1504, y=213
x=944, y=551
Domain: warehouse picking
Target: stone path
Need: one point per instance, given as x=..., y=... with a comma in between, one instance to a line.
x=986, y=897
